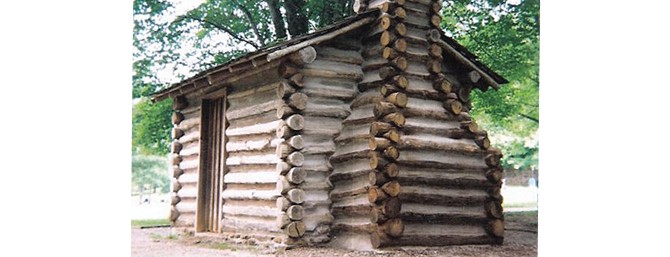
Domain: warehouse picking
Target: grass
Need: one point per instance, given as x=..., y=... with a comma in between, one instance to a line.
x=155, y=222
x=223, y=246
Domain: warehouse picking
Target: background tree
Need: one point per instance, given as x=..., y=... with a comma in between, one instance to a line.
x=171, y=46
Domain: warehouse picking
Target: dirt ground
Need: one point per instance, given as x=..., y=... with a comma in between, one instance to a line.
x=520, y=240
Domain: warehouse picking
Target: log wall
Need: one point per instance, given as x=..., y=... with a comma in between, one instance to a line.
x=185, y=161
x=411, y=166
x=249, y=191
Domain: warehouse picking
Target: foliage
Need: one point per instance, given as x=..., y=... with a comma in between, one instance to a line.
x=147, y=223
x=171, y=46
x=152, y=171
x=505, y=36
x=151, y=127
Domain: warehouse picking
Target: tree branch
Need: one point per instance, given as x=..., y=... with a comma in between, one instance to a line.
x=252, y=23
x=203, y=22
x=529, y=117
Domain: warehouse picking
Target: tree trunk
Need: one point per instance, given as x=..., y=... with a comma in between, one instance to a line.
x=295, y=16
x=277, y=21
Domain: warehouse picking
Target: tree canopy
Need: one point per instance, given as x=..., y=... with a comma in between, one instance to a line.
x=171, y=45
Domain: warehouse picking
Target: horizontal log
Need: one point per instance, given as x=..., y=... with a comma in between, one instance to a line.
x=262, y=128
x=330, y=88
x=235, y=159
x=430, y=142
x=243, y=210
x=353, y=224
x=329, y=69
x=417, y=213
x=234, y=114
x=439, y=178
x=251, y=177
x=238, y=194
x=440, y=235
x=347, y=188
x=339, y=55
x=336, y=110
x=350, y=169
x=250, y=145
x=440, y=196
x=177, y=133
x=322, y=125
x=441, y=160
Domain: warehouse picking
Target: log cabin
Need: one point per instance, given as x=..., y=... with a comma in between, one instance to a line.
x=356, y=136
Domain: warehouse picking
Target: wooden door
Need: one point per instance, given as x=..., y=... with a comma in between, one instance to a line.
x=212, y=166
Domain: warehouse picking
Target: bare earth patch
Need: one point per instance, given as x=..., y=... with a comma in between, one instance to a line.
x=520, y=240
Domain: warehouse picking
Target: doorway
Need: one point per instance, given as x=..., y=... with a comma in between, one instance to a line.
x=212, y=165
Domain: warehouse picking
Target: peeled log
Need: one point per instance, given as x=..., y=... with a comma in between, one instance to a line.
x=283, y=150
x=435, y=51
x=376, y=161
x=377, y=178
x=393, y=227
x=492, y=160
x=391, y=170
x=177, y=133
x=386, y=38
x=295, y=212
x=496, y=228
x=400, y=81
x=435, y=20
x=177, y=117
x=284, y=110
x=382, y=109
x=283, y=220
x=285, y=89
x=296, y=142
x=397, y=119
x=400, y=63
x=296, y=175
x=282, y=168
x=400, y=45
x=378, y=143
x=494, y=210
x=470, y=126
x=494, y=175
x=391, y=152
x=295, y=122
x=176, y=159
x=179, y=103
x=296, y=195
x=453, y=106
x=176, y=186
x=399, y=99
x=483, y=142
x=436, y=6
x=174, y=199
x=376, y=195
x=283, y=203
x=379, y=128
x=283, y=185
x=387, y=72
x=303, y=56
x=443, y=86
x=287, y=69
x=295, y=229
x=174, y=214
x=176, y=171
x=298, y=100
x=176, y=146
x=295, y=159
x=391, y=188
